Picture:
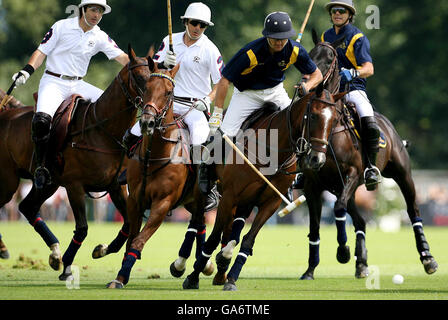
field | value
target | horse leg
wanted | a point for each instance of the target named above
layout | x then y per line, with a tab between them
224	257
314	202
360	248
226	210
340	213
407	187
159	210
29	207
75	195
135	212
119	200
265	212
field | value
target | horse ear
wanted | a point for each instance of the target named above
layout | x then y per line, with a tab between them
151	51
319	89
339	96
151	64
131	54
338	42
315	36
174	70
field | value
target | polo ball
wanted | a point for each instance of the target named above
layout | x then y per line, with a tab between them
397	279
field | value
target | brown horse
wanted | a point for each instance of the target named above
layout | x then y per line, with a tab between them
159	177
342	173
242	188
89	160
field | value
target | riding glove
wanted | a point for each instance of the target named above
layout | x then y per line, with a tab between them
170	60
202	104
215	120
348	74
301	89
22	76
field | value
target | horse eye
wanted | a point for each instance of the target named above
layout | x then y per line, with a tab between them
313	116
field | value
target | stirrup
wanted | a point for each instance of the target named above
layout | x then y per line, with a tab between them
42	177
372	177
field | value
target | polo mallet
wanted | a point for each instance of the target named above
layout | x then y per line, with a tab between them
302	29
8	96
170	27
289	205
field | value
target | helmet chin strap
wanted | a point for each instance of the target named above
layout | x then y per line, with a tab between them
190	36
85	20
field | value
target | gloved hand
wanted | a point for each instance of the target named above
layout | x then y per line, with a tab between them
215	120
302	89
170	60
348	74
202	104
20	77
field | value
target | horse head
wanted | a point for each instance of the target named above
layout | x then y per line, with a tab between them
320	118
325	56
157	98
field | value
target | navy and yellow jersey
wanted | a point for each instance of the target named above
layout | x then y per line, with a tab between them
255	68
354	52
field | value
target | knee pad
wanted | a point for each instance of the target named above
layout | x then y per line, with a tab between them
40	126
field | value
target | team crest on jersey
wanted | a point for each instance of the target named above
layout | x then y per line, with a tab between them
91	43
282	64
196	59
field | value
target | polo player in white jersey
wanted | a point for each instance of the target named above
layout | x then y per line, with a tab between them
200	64
68	46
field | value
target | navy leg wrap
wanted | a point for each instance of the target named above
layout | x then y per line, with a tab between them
41	228
420	239
128	263
119	241
187	245
340	216
237	266
75	244
200	239
314	259
237	227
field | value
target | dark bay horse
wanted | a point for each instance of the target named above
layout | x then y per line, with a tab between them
88	161
343	171
159	177
242	188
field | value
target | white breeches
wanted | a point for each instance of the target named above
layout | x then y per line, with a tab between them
362	103
244	103
195	120
53	91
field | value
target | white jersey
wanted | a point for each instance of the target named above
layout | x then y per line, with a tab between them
200	64
69	49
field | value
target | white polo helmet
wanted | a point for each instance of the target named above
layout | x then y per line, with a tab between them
198	11
102	3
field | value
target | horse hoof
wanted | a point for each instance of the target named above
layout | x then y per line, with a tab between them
4	254
307	276
361	271
66	276
99	251
115	284
209	268
55	261
343	254
176	273
219	279
229	286
190	283
430	265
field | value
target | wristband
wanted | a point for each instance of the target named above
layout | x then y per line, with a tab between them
28	68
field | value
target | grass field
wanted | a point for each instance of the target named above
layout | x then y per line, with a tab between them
280	257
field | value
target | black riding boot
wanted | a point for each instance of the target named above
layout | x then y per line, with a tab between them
208	187
40	128
298	183
370	139
129	142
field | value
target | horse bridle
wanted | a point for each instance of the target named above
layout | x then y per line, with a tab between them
132	83
159	115
333	62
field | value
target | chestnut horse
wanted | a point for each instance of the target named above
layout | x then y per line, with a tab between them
242	188
343	170
89	161
159	176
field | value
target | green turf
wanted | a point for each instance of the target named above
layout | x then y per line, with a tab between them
280	257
